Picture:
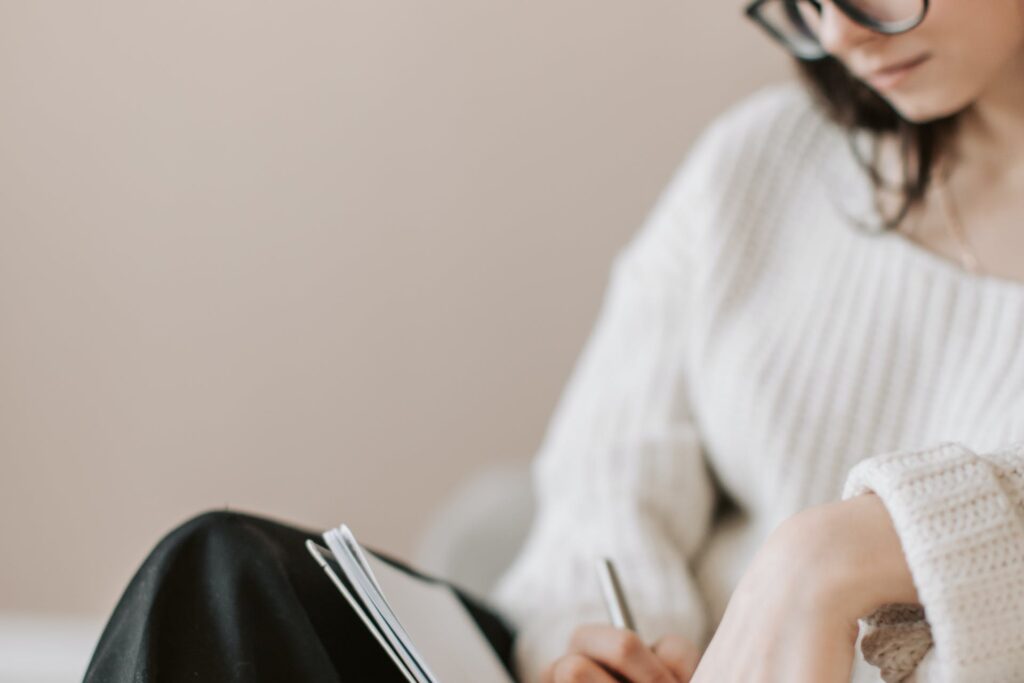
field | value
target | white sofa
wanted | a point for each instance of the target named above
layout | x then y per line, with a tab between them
478	532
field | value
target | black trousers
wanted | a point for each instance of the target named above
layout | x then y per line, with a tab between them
228	596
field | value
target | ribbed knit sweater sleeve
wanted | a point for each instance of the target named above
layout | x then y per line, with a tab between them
960	517
620	471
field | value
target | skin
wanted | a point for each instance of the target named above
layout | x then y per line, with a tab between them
602	653
793	615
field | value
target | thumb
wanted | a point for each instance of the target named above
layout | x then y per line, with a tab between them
678	654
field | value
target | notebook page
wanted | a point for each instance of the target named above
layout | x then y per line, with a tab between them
438	623
357	607
350	542
380	610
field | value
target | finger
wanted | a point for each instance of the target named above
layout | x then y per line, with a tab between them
620	651
577	668
679	655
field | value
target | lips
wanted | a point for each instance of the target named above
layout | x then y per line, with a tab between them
898	66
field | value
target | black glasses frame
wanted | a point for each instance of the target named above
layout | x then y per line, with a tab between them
754	12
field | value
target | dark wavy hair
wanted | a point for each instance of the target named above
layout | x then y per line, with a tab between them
850	103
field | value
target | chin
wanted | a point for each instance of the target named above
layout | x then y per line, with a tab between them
922	107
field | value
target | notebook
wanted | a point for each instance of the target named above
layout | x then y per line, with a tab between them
420	623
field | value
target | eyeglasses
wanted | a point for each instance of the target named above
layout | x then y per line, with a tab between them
797	23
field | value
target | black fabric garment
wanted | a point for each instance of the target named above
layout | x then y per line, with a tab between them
228	596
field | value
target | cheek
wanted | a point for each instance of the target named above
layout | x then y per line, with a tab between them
971	44
989	41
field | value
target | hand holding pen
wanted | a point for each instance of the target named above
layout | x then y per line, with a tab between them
610	653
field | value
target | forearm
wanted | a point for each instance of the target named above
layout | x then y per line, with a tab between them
859	561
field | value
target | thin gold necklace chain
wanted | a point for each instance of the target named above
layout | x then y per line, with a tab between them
954	225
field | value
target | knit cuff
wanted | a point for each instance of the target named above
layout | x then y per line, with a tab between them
959	522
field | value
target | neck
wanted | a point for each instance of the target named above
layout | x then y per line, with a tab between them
991	134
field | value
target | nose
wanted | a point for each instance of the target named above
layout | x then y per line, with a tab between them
838	33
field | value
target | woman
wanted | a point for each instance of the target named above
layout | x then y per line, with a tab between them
761	354
802	403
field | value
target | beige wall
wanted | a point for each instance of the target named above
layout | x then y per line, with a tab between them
313	259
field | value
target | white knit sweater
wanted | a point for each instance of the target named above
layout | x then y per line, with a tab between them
753	346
